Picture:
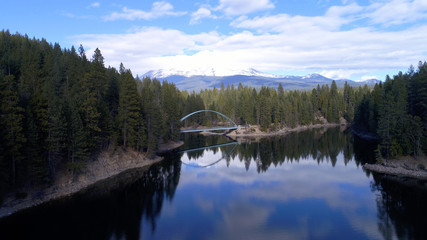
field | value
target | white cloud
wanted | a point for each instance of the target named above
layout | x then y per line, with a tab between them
159	9
397	12
387	13
202	12
339	54
94	5
241	7
335	17
282	42
289	186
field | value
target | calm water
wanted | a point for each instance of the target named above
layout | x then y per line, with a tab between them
307	185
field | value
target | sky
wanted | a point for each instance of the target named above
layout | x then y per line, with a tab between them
336	38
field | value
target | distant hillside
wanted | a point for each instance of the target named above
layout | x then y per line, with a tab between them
185	80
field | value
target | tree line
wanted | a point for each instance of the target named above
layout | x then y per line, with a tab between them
58	108
395	112
274	109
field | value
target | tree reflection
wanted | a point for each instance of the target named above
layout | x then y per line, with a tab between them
401	207
107	214
318	144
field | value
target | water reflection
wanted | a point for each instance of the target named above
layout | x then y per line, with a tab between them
402	207
307	185
102	212
318	144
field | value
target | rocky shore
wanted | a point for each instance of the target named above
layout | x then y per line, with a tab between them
405	167
254	130
106	166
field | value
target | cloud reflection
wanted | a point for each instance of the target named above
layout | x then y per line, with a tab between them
344	189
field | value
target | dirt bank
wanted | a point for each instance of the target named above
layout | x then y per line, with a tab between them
165	147
254	130
403	167
65	184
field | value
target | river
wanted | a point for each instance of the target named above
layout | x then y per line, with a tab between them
306	185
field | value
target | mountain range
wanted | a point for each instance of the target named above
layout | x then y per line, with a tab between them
197	79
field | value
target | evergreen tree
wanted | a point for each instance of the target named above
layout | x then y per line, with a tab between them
12	122
129	110
37	120
89	111
171	111
57	135
77	140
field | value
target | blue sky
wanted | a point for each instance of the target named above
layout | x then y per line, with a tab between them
336	38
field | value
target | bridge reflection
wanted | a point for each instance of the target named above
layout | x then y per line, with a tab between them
198	165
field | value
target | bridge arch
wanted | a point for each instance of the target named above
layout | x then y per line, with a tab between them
209	129
234	124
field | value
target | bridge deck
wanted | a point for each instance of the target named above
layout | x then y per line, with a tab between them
208	129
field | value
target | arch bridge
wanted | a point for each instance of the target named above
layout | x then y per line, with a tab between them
209	129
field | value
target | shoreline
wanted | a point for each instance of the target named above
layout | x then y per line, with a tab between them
254	130
405	167
106	166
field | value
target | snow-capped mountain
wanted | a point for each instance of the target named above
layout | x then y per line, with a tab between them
197	79
209	72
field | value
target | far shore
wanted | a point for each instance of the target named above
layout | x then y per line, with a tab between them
254	131
106	166
404	167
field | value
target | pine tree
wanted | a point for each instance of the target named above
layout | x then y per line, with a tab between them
38	169
37	121
150	92
56	140
129	110
77	140
98	74
89	111
12	122
333	113
264	108
170	111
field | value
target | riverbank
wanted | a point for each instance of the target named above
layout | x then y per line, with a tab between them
169	146
405	167
255	131
107	165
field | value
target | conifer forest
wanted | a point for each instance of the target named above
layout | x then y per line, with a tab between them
62	107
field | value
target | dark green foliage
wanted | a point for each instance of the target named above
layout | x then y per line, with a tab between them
171	111
77	140
396	112
263	108
151	99
58	110
12	125
274	109
89	111
129	111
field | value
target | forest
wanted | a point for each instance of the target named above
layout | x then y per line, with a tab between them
60	108
395	112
